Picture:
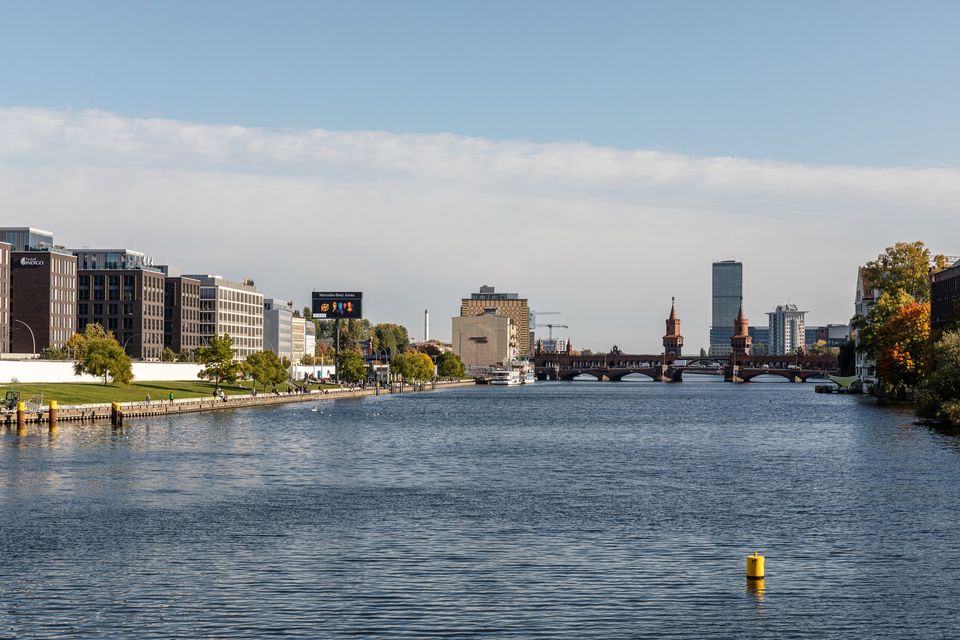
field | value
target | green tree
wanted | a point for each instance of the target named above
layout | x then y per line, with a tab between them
905	267
392	337
353	332
168	355
351	367
901	353
98	353
266	368
413	365
449	365
820	348
185	355
53	353
871	328
938	397
308	360
217	360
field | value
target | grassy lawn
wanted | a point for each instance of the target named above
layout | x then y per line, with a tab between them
88	393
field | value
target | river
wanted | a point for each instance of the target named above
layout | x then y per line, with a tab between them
572	510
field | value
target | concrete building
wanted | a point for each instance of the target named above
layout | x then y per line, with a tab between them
486	340
43	299
277	327
834	335
552	345
127	302
181	313
727	294
511	305
945	298
232	308
298	339
4	297
26	239
866	296
787	331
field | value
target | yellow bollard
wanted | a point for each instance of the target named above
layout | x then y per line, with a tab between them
21	418
52	415
755	566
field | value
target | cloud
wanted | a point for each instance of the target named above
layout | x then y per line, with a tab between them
419	220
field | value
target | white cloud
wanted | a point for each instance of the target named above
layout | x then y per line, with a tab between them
606	235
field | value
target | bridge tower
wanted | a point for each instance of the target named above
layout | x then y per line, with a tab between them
741	340
673	341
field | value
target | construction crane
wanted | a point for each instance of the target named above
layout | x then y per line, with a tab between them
551	326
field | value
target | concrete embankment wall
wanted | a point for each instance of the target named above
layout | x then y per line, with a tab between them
27	371
92	412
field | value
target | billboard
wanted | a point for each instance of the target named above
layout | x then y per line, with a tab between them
337	304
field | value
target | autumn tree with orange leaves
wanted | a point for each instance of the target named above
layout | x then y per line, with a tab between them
901	349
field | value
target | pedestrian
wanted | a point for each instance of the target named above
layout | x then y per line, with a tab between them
148	398
170	396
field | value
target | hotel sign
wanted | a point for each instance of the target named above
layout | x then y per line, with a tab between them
30	261
334	305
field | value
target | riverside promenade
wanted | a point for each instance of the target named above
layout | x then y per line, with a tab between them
142	409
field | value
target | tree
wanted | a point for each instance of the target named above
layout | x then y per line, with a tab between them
265	368
185	355
939	395
217	360
905	267
308	360
350	367
413	365
98	353
168	355
449	365
870	329
431	350
901	349
820	348
391	337
53	353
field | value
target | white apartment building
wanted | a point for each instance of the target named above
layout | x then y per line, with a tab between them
298	339
786	329
232	308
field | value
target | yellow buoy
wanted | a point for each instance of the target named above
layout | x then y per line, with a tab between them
755	566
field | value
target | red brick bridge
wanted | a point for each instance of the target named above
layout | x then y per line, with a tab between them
671	368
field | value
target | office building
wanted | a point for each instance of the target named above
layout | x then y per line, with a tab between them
278	327
298	339
181	313
945	299
787	331
834	335
113	259
26	239
486	340
232	308
760	340
4	297
487	301
727	294
129	303
43	299
552	345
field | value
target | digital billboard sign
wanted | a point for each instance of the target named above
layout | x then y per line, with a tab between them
331	305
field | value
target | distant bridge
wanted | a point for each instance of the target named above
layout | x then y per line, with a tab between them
615	366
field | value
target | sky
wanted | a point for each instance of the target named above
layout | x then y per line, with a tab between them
593	157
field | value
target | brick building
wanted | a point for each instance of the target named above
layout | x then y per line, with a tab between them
126	302
43	299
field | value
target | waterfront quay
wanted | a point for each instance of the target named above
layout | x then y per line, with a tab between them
119	411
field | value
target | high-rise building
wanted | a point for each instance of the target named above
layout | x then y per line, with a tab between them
727	294
43	299
232	308
787	331
511	305
945	298
4	297
181	313
277	327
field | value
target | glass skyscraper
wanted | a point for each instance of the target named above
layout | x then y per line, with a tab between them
727	295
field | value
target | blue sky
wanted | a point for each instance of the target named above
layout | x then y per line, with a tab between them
594	157
819	82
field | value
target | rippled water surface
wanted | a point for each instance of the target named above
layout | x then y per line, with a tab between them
558	509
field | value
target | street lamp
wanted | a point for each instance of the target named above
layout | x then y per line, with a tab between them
32	336
125	342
